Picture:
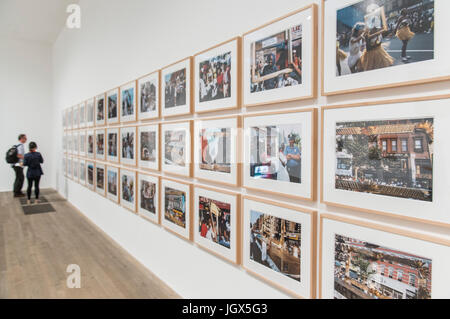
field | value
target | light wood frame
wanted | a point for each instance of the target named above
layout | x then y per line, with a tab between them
314	55
238	84
107	166
367	224
103	95
96	156
118	121
134	210
158	199
189	141
364	89
90	125
93	175
313	239
190	88
118	145
121	116
134	165
105	179
365	210
314	147
158	93
158	146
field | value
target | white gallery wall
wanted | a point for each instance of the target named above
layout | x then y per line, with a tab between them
122	40
26	102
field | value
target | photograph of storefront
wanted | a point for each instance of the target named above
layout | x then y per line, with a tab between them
215	221
215	149
368	271
391	158
175	206
275	243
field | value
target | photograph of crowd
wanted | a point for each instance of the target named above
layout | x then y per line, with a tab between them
112	106
175	206
127	102
90	173
148	196
275	152
390	157
214	221
215	78
100	178
112	182
276	60
128	145
100	109
100	143
375	34
148	146
368	271
215	152
175	144
148	96
175	89
275	243
128	188
112	144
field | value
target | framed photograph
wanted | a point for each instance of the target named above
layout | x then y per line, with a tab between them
217	77
148	141
82	143
364	260
112	188
69	142
70	167
176	148
148	100
75	165
216	150
76	142
100	107
128	102
64	142
82	108
90	113
370	45
128	189
90	139
176	88
90	175
380	158
148	197
70	118
112	100
76	118
280	152
100	144
82	172
112	145
176	207
128	146
280	61
217	222
64	119
279	245
100	179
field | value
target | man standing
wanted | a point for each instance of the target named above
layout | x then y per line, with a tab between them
18	167
292	154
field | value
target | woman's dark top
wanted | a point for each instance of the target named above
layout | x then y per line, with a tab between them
33	160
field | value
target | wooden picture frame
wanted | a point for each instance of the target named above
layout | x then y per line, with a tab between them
116	173
82	114
144	161
145	213
98	190
90	135
149	79
132	132
128	91
98	150
229	97
90	164
82	172
292	90
113	106
297	215
131	206
100	110
90	113
177	170
110	133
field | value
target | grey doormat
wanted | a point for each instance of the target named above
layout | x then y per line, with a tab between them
38	209
23	200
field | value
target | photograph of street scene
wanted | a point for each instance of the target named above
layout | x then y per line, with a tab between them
100	178
112	144
100	143
368	271
148	96
276	60
90	173
375	34
148	146
100	109
112	182
215	78
112	106
127	102
175	143
215	152
275	152
128	188
175	206
214	221
175	89
275	243
148	193
391	158
128	145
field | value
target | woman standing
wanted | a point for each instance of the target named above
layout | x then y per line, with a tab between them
403	32
356	45
33	160
375	56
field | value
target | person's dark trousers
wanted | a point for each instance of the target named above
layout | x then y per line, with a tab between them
18	182
36	181
404	47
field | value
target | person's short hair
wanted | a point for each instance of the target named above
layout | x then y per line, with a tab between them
32	146
21	136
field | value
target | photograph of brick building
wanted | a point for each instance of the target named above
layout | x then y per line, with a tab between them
391	158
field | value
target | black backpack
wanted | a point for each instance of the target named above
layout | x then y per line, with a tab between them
11	155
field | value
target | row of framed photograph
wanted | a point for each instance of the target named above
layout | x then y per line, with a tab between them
276	241
376	157
366	45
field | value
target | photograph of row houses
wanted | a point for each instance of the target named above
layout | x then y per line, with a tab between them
368	271
390	157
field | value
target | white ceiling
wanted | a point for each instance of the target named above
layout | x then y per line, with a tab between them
35	20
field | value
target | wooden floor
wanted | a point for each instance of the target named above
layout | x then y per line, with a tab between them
35	251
